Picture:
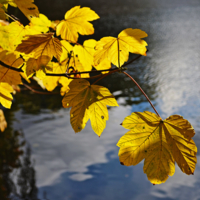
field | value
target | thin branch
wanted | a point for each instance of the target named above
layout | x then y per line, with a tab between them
10	67
39	92
142	92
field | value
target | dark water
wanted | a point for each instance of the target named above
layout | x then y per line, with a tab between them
60	165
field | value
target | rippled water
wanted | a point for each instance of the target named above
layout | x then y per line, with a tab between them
83	166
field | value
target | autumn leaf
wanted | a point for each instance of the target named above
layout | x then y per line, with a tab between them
41	45
5	94
7	75
116	50
3	123
160	142
76	21
12	35
34	65
85	53
28	8
2	12
88	102
41	23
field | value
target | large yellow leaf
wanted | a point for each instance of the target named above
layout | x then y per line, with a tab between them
7	75
12	35
116	50
41	45
88	102
76	21
5	94
3	123
160	143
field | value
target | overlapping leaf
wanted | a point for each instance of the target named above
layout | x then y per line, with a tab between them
88	102
12	35
7	75
116	50
41	23
76	21
41	45
28	8
160	143
5	95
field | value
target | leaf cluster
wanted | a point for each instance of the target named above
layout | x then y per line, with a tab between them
48	52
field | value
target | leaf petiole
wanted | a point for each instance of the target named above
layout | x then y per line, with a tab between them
142	92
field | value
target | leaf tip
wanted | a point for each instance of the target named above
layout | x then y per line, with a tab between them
121	124
121	163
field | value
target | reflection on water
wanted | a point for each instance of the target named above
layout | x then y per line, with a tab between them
83	166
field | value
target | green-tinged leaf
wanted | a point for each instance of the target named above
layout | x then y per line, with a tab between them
160	143
88	101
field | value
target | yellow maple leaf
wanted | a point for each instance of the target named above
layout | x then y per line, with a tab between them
5	94
12	35
3	123
116	50
8	75
41	45
88	102
41	23
160	142
85	53
76	21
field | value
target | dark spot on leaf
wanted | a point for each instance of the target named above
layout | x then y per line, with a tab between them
33	8
121	163
76	55
79	128
102	117
143	127
145	151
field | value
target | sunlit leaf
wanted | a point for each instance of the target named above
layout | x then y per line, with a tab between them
116	50
160	143
5	95
12	35
3	123
41	45
85	53
88	102
76	21
41	23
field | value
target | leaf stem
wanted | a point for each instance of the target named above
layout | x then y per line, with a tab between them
142	92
